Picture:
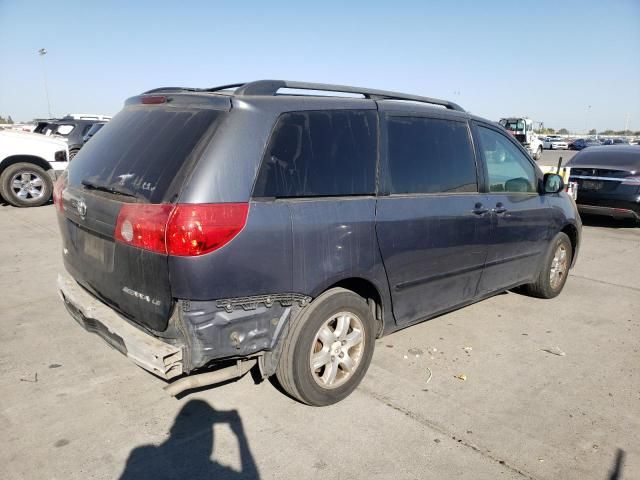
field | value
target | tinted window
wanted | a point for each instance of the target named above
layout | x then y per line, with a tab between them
509	169
320	154
142	150
429	155
94	128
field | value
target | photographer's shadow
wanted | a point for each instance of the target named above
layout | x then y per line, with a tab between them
187	452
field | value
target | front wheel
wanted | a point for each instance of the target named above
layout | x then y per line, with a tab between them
555	269
328	348
25	185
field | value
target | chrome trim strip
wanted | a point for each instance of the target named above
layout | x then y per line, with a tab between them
587	177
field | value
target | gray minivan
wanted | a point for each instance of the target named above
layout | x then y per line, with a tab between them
270	224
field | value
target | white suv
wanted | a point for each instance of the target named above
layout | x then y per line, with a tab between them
29	164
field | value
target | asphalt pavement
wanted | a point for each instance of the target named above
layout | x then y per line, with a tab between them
551	157
511	388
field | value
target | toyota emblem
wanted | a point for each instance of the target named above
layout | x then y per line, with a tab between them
82	208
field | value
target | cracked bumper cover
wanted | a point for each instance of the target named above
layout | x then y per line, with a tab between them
158	357
199	332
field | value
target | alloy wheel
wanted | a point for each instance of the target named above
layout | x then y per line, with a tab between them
27	185
337	350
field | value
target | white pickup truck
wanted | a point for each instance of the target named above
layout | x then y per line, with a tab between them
29	164
522	129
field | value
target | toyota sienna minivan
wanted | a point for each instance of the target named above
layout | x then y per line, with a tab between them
288	225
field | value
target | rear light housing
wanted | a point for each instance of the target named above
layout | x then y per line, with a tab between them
58	188
180	230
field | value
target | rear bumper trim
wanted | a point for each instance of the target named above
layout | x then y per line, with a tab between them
608	211
150	353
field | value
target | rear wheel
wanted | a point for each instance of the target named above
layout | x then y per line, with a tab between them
25	185
73	152
538	154
555	269
328	348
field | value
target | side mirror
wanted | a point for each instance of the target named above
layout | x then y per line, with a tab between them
552	183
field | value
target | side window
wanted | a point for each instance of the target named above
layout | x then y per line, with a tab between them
328	153
509	169
427	155
64	129
86	128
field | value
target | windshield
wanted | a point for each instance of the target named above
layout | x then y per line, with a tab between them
513	125
142	150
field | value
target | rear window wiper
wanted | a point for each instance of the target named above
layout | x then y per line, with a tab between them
105	188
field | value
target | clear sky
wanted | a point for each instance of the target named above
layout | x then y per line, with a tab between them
549	60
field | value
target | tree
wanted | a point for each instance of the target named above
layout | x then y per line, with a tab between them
563	131
10	120
593	131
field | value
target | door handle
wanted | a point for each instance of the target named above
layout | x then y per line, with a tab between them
479	209
499	208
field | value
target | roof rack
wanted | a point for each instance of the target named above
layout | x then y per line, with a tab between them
271	87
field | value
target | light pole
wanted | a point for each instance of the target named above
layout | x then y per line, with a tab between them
587	120
42	52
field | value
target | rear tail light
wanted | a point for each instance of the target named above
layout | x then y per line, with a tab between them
633	180
199	229
180	230
143	225
58	187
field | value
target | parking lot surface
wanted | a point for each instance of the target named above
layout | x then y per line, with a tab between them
551	157
551	388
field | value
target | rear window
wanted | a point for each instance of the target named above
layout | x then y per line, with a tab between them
328	153
142	150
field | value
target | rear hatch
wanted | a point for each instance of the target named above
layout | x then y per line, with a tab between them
142	156
602	182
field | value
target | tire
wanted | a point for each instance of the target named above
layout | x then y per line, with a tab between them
554	271
538	154
73	152
312	335
25	185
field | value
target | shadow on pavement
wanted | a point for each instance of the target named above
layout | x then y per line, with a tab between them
607	222
616	473
187	452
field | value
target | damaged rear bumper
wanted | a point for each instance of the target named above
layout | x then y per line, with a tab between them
199	334
160	358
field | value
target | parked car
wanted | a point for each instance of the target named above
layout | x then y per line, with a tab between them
271	228
29	164
73	130
95	128
616	141
554	143
608	180
581	143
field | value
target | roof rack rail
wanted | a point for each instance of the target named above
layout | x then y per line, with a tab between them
271	87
